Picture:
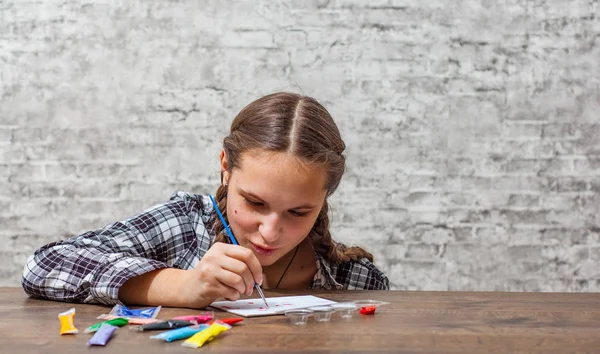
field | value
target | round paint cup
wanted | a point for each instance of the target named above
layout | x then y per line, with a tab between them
322	313
298	317
345	309
368	307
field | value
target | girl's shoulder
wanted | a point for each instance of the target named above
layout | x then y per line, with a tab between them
359	274
199	203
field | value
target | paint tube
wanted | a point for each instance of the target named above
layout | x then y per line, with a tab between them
132	320
102	335
125	312
229	321
117	322
66	319
202	317
180	333
201	338
162	325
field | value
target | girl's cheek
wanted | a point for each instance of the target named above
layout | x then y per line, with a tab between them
243	218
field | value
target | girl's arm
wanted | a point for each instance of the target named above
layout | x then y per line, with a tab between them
225	271
92	267
158	287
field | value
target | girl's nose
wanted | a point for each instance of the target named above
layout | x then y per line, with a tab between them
270	228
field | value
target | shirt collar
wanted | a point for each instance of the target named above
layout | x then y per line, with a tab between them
324	278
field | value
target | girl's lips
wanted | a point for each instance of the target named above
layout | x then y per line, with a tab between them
263	251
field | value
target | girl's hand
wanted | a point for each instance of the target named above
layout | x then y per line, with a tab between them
226	271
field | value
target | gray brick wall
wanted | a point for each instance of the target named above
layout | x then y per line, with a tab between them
471	125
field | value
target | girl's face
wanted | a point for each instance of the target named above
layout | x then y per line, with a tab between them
273	201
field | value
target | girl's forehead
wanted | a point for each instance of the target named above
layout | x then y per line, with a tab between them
259	157
280	172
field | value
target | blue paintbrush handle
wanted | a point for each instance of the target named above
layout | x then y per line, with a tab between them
234	241
227	229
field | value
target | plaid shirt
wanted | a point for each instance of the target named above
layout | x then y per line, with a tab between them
91	267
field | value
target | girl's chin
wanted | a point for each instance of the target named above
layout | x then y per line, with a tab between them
266	261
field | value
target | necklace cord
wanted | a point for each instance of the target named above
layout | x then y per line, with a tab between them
288	267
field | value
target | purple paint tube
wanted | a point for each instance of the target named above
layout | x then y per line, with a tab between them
102	336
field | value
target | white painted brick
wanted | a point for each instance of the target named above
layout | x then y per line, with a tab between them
6	136
260	39
471	128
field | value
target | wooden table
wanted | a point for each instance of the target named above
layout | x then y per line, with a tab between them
414	322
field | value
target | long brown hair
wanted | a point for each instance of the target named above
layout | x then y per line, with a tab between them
301	126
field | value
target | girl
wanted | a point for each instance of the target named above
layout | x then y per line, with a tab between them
279	163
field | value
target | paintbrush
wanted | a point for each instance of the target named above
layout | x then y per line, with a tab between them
234	241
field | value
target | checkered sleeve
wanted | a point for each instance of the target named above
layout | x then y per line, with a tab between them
91	267
361	275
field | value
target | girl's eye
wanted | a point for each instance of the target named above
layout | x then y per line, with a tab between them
298	214
259	204
252	203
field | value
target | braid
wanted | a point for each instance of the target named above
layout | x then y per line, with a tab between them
217	225
327	248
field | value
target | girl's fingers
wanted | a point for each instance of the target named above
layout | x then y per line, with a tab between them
231	280
228	293
238	267
246	256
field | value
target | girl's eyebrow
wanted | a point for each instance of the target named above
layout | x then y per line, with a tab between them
255	197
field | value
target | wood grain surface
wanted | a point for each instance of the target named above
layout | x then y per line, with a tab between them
413	322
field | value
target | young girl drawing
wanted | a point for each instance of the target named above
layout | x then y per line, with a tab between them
280	162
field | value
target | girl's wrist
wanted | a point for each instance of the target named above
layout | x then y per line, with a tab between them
172	288
183	293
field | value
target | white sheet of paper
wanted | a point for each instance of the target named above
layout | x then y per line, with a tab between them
277	305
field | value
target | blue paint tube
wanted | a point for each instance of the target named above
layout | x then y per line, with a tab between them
180	333
125	312
102	335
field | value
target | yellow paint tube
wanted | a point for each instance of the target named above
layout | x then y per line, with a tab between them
66	322
201	338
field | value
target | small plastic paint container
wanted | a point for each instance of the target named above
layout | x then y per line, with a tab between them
368	307
298	317
345	309
322	313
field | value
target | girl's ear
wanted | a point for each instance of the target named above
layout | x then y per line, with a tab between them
224	167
